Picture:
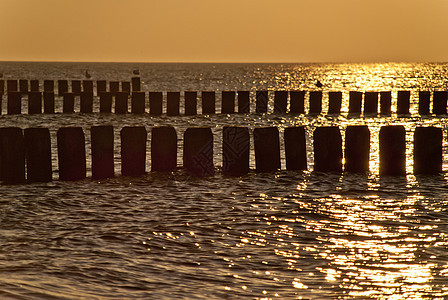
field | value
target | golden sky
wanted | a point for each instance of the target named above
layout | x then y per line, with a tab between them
224	31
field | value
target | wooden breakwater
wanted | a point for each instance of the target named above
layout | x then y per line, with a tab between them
128	97
25	155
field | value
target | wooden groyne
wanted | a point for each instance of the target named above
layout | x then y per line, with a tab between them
128	97
25	155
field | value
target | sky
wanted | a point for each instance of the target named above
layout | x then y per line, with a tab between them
224	31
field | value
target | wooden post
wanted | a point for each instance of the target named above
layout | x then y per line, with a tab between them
12	155
208	103
315	103
172	103
427	150
155	103
392	150
126	86
101	86
2	87
71	153
121	102
190	103
403	102
38	154
297	102
86	104
62	87
14	104
334	102
102	141
34	103
439	102
114	87
138	103
76	87
327	149
267	149
133	151
235	150
424	99
136	85
11	85
261	103
295	148
357	149
34	84
228	102
371	103
48	85
68	105
198	151
49	102
87	86
243	102
280	102
163	149
385	103
354	102
23	86
105	102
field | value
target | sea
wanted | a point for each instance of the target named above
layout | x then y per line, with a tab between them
282	235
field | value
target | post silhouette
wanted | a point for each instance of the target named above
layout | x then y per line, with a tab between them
297	102
439	102
49	102
357	149
23	86
208	103
385	103
34	103
198	151
114	87
121	102
133	151
155	103
48	85
163	149
12	155
62	87
71	153
267	149
126	86
136	85
76	87
34	85
101	86
261	102
86	103
68	103
371	103
11	85
403	102
228	102
14	104
392	150
2	87
38	154
327	149
235	150
138	103
87	86
315	107
280	102
105	102
172	103
295	148
354	102
424	100
102	142
191	103
243	102
334	102
427	150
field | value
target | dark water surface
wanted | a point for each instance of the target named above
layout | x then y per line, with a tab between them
288	235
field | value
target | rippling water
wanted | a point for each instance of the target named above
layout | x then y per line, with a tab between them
285	235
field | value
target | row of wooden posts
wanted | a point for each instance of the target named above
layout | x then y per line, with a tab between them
139	103
369	103
29	151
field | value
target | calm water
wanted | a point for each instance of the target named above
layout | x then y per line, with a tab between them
288	235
